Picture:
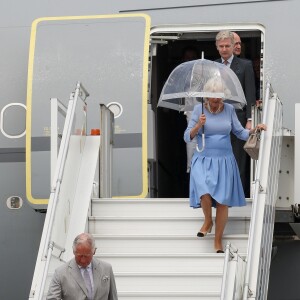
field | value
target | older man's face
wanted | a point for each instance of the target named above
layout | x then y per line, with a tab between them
83	254
237	45
225	48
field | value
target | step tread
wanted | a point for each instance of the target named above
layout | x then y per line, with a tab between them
169	293
165	255
167	218
166	236
143	200
168	274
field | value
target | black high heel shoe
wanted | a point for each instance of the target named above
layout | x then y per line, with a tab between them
219	251
204	233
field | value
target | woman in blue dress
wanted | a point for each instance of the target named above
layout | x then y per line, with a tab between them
215	179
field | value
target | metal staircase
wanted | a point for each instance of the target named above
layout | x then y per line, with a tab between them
153	247
151	243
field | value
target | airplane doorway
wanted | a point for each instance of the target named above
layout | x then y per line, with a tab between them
171	177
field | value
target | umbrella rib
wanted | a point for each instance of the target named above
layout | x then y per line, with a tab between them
192	76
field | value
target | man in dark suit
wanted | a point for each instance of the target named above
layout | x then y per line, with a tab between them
244	70
237	50
83	277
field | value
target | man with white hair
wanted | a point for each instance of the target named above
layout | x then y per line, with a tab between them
83	277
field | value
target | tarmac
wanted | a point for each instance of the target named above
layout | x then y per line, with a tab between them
284	280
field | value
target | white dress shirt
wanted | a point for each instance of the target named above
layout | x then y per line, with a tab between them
229	60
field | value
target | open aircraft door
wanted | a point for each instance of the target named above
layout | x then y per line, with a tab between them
109	55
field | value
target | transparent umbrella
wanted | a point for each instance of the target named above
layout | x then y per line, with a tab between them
186	85
194	80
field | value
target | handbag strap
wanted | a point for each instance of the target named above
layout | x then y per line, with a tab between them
257	132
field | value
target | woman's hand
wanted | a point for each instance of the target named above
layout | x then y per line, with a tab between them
202	120
200	123
258	127
261	127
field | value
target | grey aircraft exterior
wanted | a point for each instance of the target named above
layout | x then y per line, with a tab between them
109	61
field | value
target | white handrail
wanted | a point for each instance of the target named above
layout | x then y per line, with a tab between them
225	268
56	106
255	196
46	247
260	239
232	280
57	182
61	163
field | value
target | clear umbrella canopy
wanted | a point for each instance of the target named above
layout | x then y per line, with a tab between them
202	78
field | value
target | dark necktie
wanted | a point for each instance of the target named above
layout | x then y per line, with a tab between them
225	62
88	283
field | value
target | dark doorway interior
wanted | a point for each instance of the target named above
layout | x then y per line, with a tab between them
172	180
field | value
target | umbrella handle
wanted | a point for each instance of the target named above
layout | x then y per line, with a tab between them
203	144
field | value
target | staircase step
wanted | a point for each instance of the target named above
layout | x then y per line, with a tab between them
160	225
166	263
165	243
156	207
170	295
175	281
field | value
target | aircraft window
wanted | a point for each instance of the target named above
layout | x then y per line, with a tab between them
12	123
14	202
116	108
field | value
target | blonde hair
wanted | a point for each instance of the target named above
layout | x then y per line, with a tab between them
225	34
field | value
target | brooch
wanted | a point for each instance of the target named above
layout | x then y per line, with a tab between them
105	278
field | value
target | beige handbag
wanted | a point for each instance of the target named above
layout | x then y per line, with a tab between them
252	144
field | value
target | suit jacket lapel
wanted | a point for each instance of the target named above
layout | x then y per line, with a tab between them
76	274
97	272
234	66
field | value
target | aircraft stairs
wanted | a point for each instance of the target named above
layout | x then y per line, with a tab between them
154	250
152	243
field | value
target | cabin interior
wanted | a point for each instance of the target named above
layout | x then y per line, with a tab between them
169	175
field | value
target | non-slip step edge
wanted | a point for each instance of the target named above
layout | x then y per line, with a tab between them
167	236
166	274
168	294
162	255
149	200
163	219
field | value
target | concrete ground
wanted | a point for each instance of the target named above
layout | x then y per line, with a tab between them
284	281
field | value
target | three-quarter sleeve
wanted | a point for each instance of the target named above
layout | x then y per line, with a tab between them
193	121
237	129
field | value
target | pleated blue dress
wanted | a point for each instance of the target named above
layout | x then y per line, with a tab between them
214	171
